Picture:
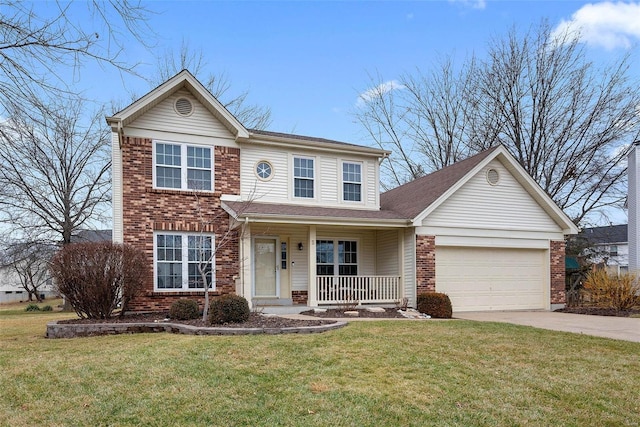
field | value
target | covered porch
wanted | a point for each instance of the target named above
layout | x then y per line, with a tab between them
321	262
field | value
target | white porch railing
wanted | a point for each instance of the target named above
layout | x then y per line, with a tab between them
357	289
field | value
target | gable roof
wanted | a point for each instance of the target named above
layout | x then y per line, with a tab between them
183	80
606	234
416	199
412	198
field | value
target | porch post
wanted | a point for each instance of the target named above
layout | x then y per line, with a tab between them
311	245
246	262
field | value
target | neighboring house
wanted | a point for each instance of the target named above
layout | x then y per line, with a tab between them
25	264
633	205
606	246
312	227
12	291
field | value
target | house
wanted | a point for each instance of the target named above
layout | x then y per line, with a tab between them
606	246
304	222
13	275
633	205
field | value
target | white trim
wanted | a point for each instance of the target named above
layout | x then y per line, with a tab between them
336	264
271	174
491	242
184	262
341	182
277	266
506	233
184	184
292	181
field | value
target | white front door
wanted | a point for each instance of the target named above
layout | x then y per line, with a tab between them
266	271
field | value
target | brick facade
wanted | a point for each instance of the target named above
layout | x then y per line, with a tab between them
146	210
300	297
557	267
425	264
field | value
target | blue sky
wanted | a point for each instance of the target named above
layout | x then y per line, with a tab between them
309	61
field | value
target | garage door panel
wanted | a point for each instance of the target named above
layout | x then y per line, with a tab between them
492	278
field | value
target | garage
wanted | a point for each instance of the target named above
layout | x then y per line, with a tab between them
479	279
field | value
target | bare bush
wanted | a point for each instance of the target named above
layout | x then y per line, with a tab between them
96	278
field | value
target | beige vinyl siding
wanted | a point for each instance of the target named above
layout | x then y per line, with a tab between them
371	179
328	178
276	189
164	118
409	265
116	188
279	188
387	257
480	205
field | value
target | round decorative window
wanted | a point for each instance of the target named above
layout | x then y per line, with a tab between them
183	106
493	177
264	170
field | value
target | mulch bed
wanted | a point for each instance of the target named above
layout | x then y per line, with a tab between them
597	311
255	321
389	313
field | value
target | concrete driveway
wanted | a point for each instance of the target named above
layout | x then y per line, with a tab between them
619	328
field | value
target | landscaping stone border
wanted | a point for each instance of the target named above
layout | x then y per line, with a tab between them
70	330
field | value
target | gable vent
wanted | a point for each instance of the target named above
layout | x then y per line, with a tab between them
493	177
183	106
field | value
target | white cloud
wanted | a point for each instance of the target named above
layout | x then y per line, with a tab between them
607	24
378	91
472	4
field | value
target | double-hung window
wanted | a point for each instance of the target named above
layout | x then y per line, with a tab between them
336	256
303	177
183	261
183	167
351	182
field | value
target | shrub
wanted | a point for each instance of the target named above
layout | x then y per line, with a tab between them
32	307
95	278
435	304
47	308
610	291
184	309
229	309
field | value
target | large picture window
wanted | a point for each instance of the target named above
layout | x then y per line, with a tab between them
183	167
336	256
303	177
181	261
352	182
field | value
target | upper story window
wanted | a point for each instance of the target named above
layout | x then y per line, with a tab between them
351	182
303	177
183	167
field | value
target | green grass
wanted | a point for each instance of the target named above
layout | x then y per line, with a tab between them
368	374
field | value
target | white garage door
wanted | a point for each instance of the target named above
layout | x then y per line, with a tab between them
478	279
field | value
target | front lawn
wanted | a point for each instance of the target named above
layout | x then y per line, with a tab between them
383	373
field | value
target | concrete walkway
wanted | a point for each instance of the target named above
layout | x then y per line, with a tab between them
619	328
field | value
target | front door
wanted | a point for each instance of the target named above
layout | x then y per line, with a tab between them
266	267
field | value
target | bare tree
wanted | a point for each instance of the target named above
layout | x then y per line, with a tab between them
567	122
54	168
252	116
564	120
29	264
42	43
204	247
